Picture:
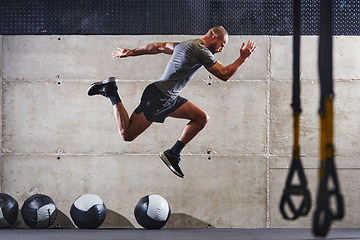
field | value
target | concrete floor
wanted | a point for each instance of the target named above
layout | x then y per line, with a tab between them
174	234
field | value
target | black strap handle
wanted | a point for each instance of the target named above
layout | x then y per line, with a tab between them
297	190
324	214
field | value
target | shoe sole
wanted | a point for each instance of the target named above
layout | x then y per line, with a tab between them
108	80
167	163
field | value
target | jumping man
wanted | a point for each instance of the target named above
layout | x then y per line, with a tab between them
161	99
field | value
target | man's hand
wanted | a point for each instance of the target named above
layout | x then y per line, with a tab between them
224	73
248	50
121	53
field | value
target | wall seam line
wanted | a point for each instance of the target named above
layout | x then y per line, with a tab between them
2	112
268	109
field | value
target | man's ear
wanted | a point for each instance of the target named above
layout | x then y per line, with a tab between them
214	37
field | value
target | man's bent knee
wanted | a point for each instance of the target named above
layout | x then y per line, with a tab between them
138	124
204	119
126	137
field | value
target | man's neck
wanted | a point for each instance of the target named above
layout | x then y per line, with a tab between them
206	40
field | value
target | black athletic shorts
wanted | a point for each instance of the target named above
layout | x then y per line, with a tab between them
156	106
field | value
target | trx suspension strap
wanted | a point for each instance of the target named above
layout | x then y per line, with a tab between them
296	166
325	211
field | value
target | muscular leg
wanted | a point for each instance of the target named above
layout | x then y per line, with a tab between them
129	129
198	119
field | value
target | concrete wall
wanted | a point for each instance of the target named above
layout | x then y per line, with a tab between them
58	141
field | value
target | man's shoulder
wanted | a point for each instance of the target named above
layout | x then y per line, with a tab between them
195	44
197	49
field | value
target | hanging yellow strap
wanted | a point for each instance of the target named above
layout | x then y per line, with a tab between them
296	135
326	211
326	133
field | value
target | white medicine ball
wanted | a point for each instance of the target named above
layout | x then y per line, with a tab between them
39	211
152	212
8	210
88	211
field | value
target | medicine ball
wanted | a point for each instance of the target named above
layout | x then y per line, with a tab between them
39	211
8	210
152	212
88	211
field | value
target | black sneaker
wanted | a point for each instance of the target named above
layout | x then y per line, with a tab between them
106	87
172	161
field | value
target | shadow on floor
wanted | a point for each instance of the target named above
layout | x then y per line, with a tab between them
115	220
181	220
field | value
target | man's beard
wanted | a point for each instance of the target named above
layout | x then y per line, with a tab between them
212	48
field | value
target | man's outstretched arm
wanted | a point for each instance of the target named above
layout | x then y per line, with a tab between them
151	48
224	73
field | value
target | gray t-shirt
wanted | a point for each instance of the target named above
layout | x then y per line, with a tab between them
187	58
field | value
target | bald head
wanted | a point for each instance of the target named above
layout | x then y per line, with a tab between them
219	31
215	39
